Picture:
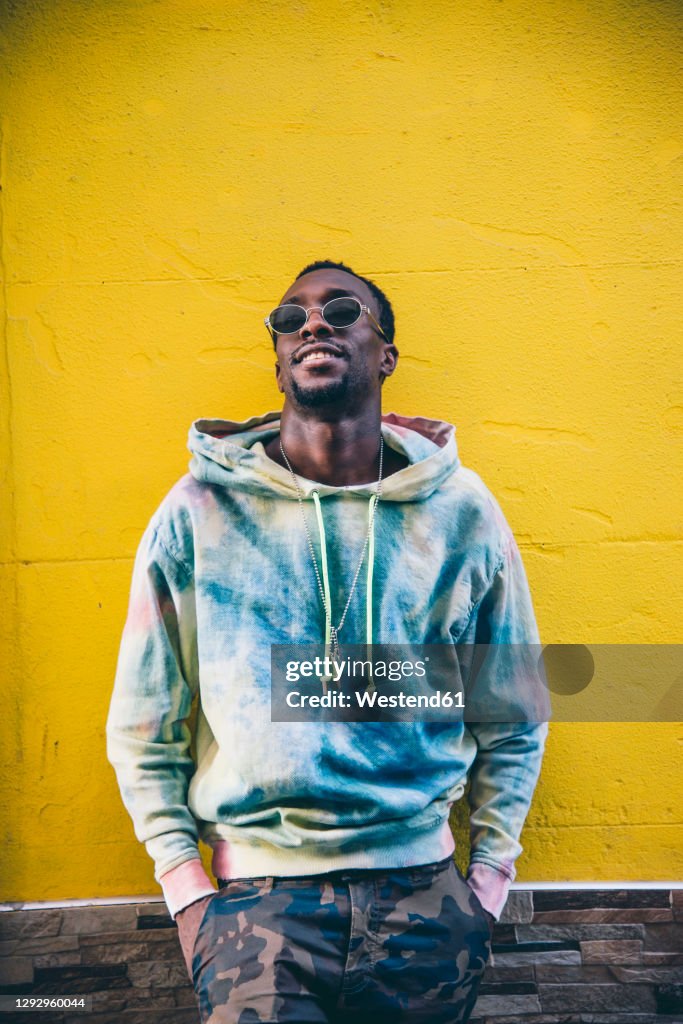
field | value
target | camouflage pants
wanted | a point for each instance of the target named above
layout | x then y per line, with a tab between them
367	947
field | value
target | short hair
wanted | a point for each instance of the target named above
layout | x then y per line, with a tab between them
386	313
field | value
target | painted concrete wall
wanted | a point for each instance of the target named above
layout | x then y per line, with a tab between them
509	172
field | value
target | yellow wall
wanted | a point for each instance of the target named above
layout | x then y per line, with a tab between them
509	172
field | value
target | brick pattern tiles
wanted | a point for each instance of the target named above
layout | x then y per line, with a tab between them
585	957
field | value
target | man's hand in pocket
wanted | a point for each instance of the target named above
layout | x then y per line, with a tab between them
188	921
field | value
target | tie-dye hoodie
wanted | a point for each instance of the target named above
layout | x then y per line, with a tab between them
222	572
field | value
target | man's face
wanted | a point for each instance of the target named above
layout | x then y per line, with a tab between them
321	365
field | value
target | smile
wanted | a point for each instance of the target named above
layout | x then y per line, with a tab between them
317	357
320	354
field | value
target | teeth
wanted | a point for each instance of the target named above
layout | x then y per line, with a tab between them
317	355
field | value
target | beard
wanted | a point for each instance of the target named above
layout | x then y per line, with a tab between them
331	393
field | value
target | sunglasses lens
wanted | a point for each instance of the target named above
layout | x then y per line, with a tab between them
287	319
342	312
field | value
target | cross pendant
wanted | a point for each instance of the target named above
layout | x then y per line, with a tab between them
332	652
334	643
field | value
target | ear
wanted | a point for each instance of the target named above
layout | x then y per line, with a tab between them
278	378
388	361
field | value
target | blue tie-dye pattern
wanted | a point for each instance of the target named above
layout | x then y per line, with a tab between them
222	572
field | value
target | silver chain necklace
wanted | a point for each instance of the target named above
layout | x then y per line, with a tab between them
335	630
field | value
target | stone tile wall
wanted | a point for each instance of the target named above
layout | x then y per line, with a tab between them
586	957
559	957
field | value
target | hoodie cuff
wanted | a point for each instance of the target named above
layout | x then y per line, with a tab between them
491	887
184	885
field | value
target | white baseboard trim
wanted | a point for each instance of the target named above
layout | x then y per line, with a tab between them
109	901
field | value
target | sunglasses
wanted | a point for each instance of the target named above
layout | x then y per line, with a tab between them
337	313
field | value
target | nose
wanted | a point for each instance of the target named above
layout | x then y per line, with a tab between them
315	326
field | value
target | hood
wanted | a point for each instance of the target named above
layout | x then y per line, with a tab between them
231	454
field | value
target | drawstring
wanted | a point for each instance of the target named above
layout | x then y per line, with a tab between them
371	565
331	631
326	578
368	591
325	572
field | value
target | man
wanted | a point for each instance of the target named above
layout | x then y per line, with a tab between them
324	524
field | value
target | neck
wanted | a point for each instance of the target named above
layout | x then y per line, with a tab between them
340	452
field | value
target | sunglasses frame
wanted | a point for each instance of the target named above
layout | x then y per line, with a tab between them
363	309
